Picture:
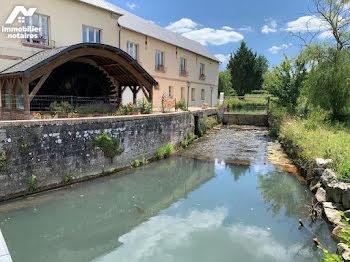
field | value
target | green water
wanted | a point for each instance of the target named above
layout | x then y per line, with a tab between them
180	209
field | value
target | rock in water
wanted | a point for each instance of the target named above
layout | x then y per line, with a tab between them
321	195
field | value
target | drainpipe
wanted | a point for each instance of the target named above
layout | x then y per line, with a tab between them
120	30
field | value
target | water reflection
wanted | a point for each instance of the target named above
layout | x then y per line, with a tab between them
279	192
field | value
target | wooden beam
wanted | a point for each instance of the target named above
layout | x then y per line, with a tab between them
39	85
25	88
144	90
12	89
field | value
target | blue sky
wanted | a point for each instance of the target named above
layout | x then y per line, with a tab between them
265	25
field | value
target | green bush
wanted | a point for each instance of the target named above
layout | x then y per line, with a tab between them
205	124
260	92
3	160
128	109
189	140
67	178
144	161
144	107
33	183
169	150
234	103
161	152
136	163
182	105
109	145
62	108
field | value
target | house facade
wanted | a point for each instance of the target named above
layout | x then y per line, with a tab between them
183	68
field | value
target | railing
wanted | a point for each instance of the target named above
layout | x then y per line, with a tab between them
202	77
160	68
42	103
40	43
183	73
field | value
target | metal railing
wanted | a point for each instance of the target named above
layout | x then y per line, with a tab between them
42	102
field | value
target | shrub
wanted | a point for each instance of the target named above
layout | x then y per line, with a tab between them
189	140
144	107
260	92
33	183
109	145
3	160
181	105
136	163
63	107
169	150
234	103
285	82
67	178
128	109
144	161
161	152
167	104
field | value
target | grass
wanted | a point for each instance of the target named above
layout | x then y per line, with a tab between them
248	112
313	139
233	103
165	151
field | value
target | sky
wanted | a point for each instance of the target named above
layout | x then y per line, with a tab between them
267	26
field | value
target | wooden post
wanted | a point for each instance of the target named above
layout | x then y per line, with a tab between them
25	88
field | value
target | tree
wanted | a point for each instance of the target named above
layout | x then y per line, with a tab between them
285	82
246	70
330	19
225	84
328	83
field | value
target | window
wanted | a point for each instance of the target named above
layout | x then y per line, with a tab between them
43	23
160	61
91	35
203	94
183	71
193	94
7	97
19	97
171	92
201	71
132	50
182	93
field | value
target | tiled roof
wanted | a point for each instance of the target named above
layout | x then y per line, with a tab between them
140	25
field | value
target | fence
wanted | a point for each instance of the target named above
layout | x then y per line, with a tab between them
42	103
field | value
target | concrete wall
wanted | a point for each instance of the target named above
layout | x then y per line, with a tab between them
55	148
245	119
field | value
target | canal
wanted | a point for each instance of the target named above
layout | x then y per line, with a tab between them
221	199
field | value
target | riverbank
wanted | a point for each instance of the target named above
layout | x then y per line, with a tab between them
41	155
321	151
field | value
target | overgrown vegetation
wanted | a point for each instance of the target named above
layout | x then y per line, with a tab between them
33	183
67	178
165	151
110	146
3	160
181	105
206	124
235	103
61	108
189	140
95	109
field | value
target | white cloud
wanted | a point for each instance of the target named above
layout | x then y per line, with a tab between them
309	23
182	26
132	6
228	28
271	27
190	29
173	238
223	59
326	35
276	49
246	29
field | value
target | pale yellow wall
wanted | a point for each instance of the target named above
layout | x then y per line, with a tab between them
66	18
171	77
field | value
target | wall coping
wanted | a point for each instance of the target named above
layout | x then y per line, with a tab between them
73	121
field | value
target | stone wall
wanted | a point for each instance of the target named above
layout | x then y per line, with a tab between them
245	119
52	149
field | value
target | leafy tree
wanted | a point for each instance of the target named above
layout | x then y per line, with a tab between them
328	83
286	81
225	84
246	70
